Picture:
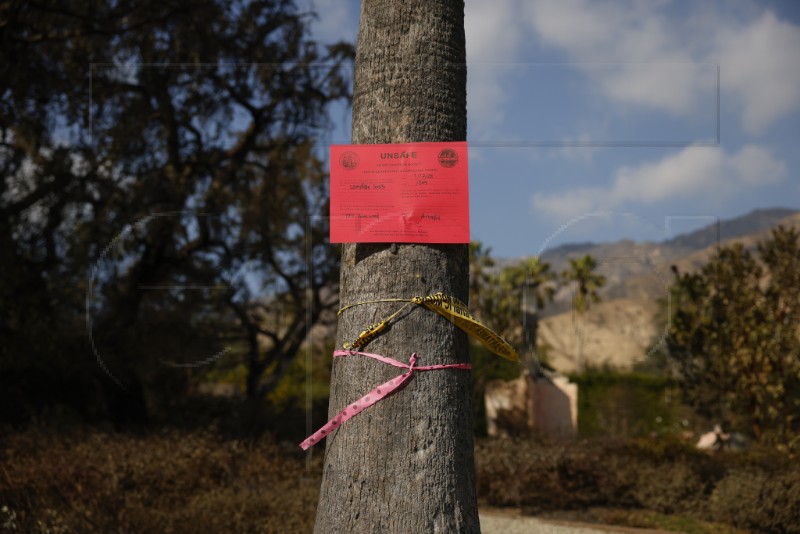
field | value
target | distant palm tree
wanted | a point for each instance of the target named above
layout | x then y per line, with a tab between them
538	290
581	271
497	298
538	275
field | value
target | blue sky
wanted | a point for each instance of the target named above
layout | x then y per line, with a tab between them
602	120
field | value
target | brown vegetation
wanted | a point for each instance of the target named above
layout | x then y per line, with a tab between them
757	490
171	481
179	481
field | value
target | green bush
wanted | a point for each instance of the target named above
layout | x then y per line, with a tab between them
611	403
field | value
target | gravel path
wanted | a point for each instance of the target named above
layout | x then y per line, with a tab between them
511	522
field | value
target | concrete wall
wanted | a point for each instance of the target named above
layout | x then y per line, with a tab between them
543	405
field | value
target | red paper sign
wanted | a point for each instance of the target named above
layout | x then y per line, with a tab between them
410	193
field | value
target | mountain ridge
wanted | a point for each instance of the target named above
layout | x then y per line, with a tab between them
618	330
703	237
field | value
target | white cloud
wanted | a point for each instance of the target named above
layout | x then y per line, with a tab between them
693	172
756	166
759	63
566	205
493	34
631	49
655	54
639	52
493	37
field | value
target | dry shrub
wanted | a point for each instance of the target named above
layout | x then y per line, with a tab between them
168	482
178	481
765	502
757	490
544	476
673	490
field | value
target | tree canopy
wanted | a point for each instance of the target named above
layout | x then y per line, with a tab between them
160	186
734	337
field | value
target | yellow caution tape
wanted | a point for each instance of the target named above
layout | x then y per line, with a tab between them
457	313
367	335
450	308
373	330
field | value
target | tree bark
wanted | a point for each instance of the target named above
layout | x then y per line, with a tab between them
405	464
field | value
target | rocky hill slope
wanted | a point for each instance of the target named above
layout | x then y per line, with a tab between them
618	331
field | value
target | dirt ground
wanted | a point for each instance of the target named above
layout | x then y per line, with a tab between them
503	521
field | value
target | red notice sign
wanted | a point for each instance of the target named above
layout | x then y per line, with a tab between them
409	193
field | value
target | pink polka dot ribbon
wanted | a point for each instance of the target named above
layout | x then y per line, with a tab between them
380	392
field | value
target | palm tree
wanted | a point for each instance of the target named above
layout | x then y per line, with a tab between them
538	290
408	464
581	271
498	298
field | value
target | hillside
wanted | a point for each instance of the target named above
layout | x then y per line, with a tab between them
754	221
615	333
638	270
618	331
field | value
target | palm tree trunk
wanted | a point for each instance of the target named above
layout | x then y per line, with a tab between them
530	314
405	464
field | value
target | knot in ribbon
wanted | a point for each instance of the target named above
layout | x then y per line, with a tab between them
380	392
411	361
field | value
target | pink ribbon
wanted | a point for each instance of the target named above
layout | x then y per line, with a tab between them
380	392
